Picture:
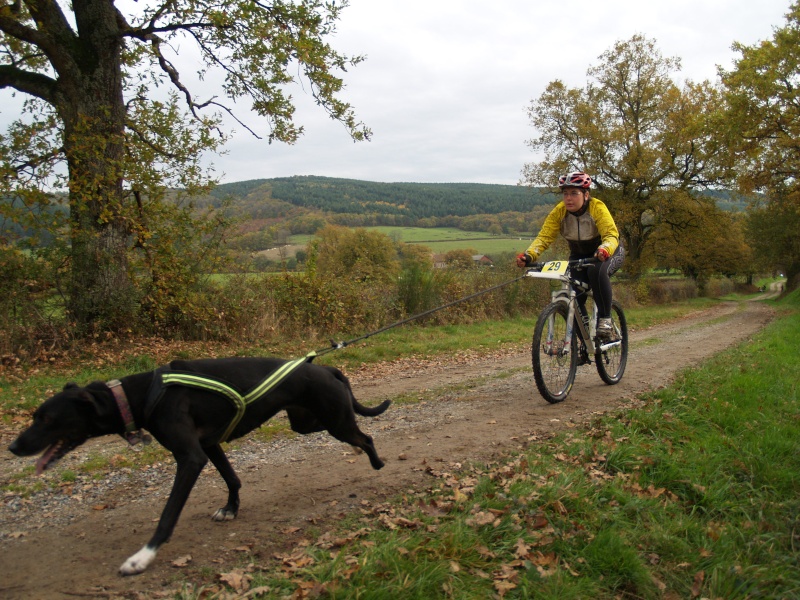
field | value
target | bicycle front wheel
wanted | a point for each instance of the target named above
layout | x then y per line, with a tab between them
554	357
611	361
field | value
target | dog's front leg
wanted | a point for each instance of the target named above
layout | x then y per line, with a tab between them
220	461
189	467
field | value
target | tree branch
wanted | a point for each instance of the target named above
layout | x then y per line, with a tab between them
146	140
147	33
35	84
12	26
174	77
53	33
34	162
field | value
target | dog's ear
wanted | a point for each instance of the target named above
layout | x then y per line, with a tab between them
70	386
87	400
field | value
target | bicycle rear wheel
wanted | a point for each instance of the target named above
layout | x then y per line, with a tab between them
554	357
611	361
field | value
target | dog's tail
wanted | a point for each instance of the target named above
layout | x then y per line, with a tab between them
370	411
364	411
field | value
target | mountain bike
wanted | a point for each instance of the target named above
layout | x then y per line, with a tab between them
564	337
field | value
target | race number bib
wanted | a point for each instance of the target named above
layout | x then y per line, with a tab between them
555	266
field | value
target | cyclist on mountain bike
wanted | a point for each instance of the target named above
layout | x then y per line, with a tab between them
590	231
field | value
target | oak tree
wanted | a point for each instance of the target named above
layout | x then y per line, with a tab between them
701	240
763	94
115	114
638	133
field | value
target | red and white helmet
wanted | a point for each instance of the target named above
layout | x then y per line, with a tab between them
577	179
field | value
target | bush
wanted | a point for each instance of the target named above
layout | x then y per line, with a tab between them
296	306
27	299
720	286
662	291
420	289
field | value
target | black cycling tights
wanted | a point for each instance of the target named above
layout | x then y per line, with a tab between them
599	278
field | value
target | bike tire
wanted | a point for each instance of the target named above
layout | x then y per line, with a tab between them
611	362
554	365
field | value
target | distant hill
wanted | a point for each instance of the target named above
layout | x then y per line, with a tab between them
730	201
268	210
411	200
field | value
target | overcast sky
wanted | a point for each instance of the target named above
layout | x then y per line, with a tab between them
446	83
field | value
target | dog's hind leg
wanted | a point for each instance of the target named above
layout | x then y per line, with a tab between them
351	434
190	462
369	447
220	461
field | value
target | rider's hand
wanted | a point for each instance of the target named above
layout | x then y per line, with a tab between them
601	254
523	260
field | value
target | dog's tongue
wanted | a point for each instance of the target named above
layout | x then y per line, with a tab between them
44	460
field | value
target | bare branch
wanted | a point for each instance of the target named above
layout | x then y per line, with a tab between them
148	142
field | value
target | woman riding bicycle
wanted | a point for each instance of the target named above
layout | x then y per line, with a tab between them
589	228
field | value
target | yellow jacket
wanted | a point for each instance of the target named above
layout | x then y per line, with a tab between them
586	231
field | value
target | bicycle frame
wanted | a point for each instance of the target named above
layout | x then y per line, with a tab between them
556	352
568	294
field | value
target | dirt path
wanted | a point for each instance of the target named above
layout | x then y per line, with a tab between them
69	543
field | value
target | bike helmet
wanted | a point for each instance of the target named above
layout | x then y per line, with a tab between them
577	179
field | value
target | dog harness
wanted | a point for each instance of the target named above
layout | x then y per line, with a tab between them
218	386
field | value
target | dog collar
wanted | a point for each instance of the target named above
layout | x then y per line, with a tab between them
133	435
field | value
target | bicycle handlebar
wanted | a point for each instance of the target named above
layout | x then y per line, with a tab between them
578	263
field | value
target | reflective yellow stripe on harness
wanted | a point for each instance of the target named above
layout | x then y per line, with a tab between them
239	402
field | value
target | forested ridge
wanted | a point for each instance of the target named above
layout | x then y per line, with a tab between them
415	200
412	200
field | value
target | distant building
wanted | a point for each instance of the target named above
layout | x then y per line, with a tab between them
482	260
439	261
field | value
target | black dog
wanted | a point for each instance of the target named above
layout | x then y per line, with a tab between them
191	421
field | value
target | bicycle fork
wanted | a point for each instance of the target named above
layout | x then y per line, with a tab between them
563	347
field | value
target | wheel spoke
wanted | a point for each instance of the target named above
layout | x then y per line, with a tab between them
612	358
554	357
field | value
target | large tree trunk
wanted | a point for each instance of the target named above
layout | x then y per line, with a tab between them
91	106
628	216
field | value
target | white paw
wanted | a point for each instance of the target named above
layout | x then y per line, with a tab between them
138	562
223	515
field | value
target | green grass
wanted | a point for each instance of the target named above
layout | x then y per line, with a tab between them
415	235
489	247
444	239
640	317
431	342
693	492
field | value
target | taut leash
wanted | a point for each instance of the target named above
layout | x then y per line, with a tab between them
337	345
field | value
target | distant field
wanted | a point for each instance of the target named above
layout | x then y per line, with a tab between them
444	239
416	235
489	247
